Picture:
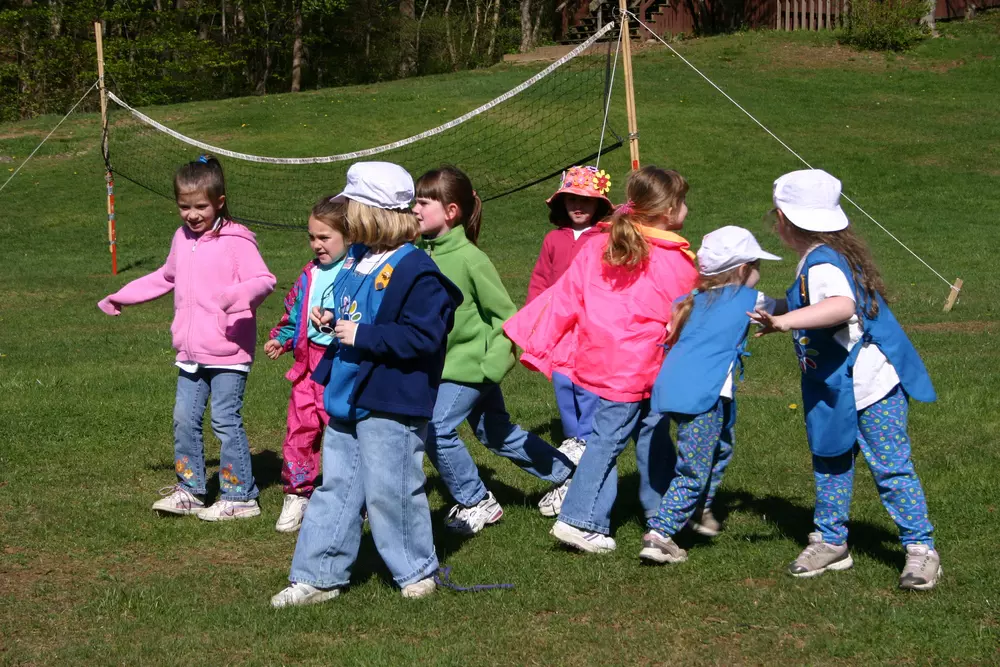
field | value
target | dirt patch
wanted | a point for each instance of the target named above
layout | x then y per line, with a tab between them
836	56
968	327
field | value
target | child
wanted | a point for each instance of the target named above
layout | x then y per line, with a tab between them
394	310
306	417
479	356
859	371
706	343
218	279
603	326
576	207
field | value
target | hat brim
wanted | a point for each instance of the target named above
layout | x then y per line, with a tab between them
344	197
579	192
815	219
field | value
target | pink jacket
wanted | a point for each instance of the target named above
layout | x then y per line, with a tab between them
558	250
602	326
218	281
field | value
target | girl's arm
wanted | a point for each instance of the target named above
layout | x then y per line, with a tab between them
284	331
255	281
146	288
541	275
830	312
420	329
495	307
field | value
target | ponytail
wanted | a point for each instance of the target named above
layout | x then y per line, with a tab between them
450	185
652	194
474	219
682	310
626	245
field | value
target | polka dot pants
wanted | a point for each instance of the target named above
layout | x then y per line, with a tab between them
885	445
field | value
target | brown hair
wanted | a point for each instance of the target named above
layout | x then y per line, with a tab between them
560	218
450	185
652	193
203	175
379	228
737	275
331	213
867	279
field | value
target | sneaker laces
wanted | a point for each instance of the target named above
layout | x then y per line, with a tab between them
443	578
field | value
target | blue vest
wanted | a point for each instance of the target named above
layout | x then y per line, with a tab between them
828	369
713	339
356	297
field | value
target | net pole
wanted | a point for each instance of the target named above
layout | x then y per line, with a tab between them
633	130
108	177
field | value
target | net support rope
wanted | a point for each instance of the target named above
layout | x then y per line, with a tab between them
607	102
68	114
789	149
344	157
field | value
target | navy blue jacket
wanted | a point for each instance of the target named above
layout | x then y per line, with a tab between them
403	350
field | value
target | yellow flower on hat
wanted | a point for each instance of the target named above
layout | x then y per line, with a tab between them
602	182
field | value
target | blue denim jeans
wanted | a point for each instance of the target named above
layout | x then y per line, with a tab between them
482	404
595	484
576	407
226	388
378	462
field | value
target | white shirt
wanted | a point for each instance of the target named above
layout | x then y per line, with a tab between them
577	233
765	303
373	260
874	376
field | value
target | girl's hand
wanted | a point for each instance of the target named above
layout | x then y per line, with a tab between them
769	323
109	307
345	331
273	349
319	316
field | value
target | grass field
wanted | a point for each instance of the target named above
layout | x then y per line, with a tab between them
89	575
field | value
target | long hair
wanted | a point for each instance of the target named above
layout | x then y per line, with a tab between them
682	309
867	279
652	193
450	185
203	175
332	214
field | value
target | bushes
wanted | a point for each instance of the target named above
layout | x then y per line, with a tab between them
884	25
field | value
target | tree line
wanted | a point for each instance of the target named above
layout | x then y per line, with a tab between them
163	51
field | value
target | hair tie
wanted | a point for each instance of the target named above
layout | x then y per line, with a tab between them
627	208
695	292
203	159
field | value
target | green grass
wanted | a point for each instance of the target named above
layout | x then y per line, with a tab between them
88	574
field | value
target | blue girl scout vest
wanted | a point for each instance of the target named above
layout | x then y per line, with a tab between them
713	338
828	369
356	297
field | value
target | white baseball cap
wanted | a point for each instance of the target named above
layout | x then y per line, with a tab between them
728	247
378	184
810	199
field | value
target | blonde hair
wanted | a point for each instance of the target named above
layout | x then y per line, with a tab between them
737	275
331	213
652	193
379	228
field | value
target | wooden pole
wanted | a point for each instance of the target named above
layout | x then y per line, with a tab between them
112	235
633	131
953	296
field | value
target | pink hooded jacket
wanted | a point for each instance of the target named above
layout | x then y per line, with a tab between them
604	326
218	281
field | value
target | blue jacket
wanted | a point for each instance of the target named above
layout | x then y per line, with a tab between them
403	350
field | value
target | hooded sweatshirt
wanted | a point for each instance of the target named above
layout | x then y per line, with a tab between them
218	279
604	326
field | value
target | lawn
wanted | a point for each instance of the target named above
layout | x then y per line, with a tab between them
89	575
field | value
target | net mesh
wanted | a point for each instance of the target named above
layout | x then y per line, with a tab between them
531	133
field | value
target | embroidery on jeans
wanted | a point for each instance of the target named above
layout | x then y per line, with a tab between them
229	481
183	469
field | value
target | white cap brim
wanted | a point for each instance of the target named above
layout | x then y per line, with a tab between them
739	261
814	219
361	199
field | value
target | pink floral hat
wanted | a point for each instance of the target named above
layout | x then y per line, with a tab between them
585	182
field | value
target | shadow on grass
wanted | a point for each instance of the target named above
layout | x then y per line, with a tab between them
266	471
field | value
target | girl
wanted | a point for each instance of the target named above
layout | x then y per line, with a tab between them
707	340
478	358
610	312
306	417
576	207
859	371
393	313
219	279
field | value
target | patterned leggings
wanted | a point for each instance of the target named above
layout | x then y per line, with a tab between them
883	441
704	449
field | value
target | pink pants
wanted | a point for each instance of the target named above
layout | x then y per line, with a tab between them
304	439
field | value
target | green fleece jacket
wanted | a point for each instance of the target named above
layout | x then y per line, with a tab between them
478	350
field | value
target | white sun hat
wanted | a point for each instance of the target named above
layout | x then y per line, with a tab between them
378	184
729	247
810	199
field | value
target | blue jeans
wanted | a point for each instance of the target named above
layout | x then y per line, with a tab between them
482	404
595	484
704	449
378	462
576	407
226	388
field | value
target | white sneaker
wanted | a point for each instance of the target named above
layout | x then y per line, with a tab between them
420	589
594	543
298	595
551	502
922	570
704	523
819	557
573	448
227	510
471	520
292	511
178	500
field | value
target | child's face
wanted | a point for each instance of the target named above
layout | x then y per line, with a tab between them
325	241
434	217
674	219
198	210
580	209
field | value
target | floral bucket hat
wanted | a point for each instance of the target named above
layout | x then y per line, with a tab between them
585	182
